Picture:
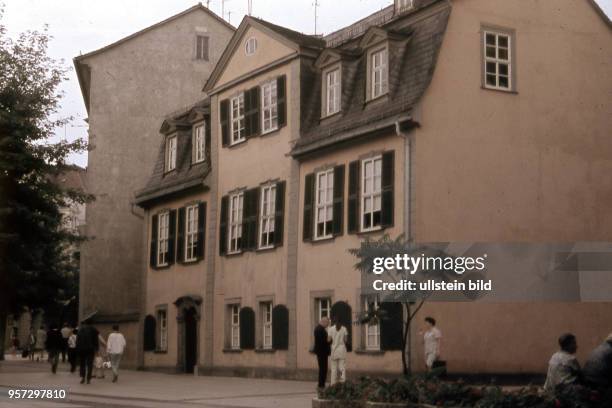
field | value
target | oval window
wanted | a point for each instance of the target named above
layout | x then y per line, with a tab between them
251	46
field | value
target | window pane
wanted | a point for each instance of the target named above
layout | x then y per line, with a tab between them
502	41
503	69
503	82
490	39
503	54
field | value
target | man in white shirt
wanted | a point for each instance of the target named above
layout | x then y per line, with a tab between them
114	347
563	367
338	336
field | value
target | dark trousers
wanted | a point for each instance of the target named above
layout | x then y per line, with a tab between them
53	359
64	349
322	360
72	359
86	359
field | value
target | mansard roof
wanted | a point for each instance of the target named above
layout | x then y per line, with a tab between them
186	177
414	39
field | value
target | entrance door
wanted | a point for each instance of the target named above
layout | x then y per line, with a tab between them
191	339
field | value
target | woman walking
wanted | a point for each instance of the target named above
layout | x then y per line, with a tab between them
338	336
431	339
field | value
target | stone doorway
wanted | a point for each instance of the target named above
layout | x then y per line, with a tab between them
188	319
191	339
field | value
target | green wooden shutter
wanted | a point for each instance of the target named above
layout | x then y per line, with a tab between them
388	172
280	327
250	212
281	98
279	216
353	197
223	225
180	236
247	328
225	122
207	146
338	209
172	237
391	326
153	253
149	334
201	230
309	195
252	116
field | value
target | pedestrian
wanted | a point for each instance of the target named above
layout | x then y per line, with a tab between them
66	332
54	345
100	358
598	367
431	340
72	353
41	340
322	350
86	346
114	348
14	340
338	336
563	367
31	345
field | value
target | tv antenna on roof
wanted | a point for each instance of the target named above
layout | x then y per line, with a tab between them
250	7
316	7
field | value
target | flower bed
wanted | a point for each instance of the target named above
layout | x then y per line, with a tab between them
428	392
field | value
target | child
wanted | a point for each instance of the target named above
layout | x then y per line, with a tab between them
99	359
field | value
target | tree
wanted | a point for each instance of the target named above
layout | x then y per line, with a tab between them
411	301
34	266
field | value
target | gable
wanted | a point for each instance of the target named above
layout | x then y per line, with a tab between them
269	50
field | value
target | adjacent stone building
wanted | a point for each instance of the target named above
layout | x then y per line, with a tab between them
464	120
128	88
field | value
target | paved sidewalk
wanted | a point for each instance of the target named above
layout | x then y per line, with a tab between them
146	389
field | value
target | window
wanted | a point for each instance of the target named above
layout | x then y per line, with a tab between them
235	225
323	308
199	144
324	204
170	153
269	104
497	60
332	92
237	120
372	330
191	233
402	5
202	47
235	327
163	230
266	219
162	319
371	182
251	46
266	324
379	73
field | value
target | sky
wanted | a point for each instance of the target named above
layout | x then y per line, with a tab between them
81	26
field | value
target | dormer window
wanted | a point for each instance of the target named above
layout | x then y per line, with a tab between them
378	72
198	144
170	153
331	90
403	5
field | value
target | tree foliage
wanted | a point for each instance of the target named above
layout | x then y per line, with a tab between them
34	266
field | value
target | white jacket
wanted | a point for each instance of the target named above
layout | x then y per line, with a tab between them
338	345
115	343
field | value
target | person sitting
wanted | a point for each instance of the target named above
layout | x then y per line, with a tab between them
563	367
598	367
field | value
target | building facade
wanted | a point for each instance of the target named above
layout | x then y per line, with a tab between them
440	120
128	88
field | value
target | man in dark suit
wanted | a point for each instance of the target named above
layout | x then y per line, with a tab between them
86	347
322	349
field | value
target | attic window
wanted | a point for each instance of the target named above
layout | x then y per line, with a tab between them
202	47
251	46
170	153
378	73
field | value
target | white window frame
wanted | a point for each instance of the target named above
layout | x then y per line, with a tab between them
267	216
237	119
163	238
372	331
381	87
373	193
236	204
198	145
234	326
333	91
162	319
250	46
171	143
324	202
323	305
266	325
269	106
497	60
191	233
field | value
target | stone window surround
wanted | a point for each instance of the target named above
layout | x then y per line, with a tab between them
511	33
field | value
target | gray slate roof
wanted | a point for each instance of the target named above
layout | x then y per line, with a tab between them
411	67
186	177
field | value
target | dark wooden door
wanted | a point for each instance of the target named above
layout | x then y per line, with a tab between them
191	340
